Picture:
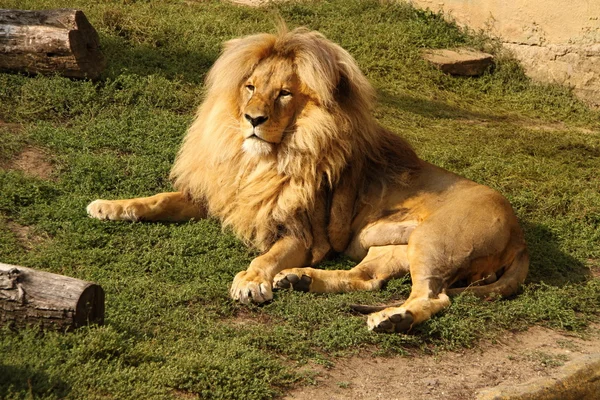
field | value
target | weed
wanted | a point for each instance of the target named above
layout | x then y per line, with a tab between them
548	360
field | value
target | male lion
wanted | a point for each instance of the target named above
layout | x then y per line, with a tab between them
285	152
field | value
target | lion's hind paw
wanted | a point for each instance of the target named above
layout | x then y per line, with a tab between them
391	320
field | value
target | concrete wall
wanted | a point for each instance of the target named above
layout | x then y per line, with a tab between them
556	40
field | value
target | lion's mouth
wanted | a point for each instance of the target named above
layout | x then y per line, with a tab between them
258	146
255	136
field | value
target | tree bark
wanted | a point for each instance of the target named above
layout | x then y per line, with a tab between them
32	297
50	41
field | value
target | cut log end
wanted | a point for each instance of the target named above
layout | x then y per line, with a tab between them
51	301
50	42
90	307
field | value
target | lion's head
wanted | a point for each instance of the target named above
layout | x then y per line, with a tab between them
283	117
277	82
269	100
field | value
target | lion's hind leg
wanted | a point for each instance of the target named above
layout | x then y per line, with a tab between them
422	303
381	264
173	207
439	254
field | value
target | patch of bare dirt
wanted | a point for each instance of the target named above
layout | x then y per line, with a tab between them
251	3
244	317
594	265
25	235
255	3
533	125
11	127
554	127
514	358
32	161
180	394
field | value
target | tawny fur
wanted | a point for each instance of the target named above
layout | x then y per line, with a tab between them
285	152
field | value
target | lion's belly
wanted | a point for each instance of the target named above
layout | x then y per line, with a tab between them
390	218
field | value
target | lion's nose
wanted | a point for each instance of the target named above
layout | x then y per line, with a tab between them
256	121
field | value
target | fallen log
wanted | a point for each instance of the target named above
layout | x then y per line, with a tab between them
58	302
50	41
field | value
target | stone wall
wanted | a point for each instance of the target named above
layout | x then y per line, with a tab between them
556	40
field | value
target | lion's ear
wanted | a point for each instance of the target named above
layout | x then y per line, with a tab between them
352	84
343	88
330	71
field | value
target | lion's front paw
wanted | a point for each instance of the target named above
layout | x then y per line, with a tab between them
112	210
251	286
294	279
391	320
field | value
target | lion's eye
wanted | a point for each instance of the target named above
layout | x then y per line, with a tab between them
250	88
284	93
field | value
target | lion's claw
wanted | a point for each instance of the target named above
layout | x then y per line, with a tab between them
292	281
395	320
248	287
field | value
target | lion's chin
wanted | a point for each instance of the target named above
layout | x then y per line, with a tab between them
257	147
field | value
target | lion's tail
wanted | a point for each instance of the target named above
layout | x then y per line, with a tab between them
514	275
510	281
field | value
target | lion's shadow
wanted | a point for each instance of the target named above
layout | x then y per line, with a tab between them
550	264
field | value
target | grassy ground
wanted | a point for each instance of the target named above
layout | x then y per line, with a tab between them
171	330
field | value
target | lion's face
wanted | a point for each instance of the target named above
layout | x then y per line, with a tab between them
270	98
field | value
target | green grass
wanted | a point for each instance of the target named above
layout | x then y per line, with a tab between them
171	331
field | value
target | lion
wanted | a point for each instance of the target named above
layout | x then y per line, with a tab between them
285	151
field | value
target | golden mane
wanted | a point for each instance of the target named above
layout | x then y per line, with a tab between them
264	198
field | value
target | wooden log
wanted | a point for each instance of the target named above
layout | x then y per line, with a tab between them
32	297
50	41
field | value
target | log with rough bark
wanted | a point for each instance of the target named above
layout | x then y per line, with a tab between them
32	297
50	41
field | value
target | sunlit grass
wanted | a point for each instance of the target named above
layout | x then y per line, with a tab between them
171	330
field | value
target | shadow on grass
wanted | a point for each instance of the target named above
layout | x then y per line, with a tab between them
549	264
144	59
27	380
433	109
